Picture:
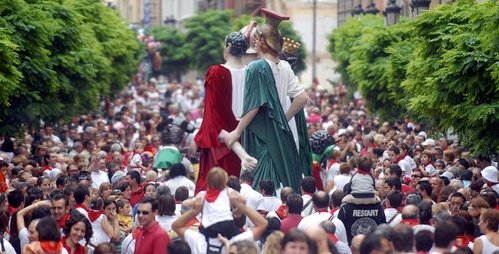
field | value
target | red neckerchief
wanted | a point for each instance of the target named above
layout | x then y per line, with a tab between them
63	220
398	159
94	215
84	207
212	195
463	240
321	210
12	210
332	237
77	250
334	210
136	232
281	212
410	222
51	246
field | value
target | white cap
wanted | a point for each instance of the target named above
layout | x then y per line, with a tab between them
428	142
490	174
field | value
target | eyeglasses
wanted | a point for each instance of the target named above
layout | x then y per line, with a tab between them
439	165
143	212
416	176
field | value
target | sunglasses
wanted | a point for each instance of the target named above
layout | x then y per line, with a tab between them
143	212
416	176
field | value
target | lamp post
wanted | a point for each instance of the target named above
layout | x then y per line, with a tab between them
371	9
418	6
392	13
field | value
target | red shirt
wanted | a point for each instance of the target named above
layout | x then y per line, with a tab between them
152	240
290	222
79	249
136	196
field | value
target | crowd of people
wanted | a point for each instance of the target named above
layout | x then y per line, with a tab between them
133	178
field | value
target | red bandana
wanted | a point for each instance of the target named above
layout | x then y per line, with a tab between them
212	195
63	220
94	215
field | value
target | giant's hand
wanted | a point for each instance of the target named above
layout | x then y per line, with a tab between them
248	163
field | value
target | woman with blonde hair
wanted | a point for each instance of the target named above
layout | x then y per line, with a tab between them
273	243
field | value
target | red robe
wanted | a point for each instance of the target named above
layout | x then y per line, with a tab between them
218	116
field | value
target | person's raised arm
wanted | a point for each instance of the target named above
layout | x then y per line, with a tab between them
257	219
234	135
27	210
298	103
179	226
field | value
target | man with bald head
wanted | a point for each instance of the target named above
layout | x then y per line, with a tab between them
410	216
356	242
319	236
320	201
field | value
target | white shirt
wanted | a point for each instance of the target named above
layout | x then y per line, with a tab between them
98	178
197	241
128	245
393	213
316	218
217	211
99	235
271	204
309	209
237	76
23	238
340	181
254	199
406	168
166	221
178	181
82	211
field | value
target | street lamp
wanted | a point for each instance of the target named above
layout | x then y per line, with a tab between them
418	6
357	10
392	13
371	9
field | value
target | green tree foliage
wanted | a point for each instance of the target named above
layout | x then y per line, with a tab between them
286	29
116	40
341	42
60	69
174	54
453	80
378	63
205	37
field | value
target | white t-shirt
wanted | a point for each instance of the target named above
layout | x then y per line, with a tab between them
308	207
23	237
271	204
166	221
178	181
128	245
99	235
8	247
217	211
340	181
393	213
253	198
98	178
197	241
316	218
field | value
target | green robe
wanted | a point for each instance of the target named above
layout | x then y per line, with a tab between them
268	137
